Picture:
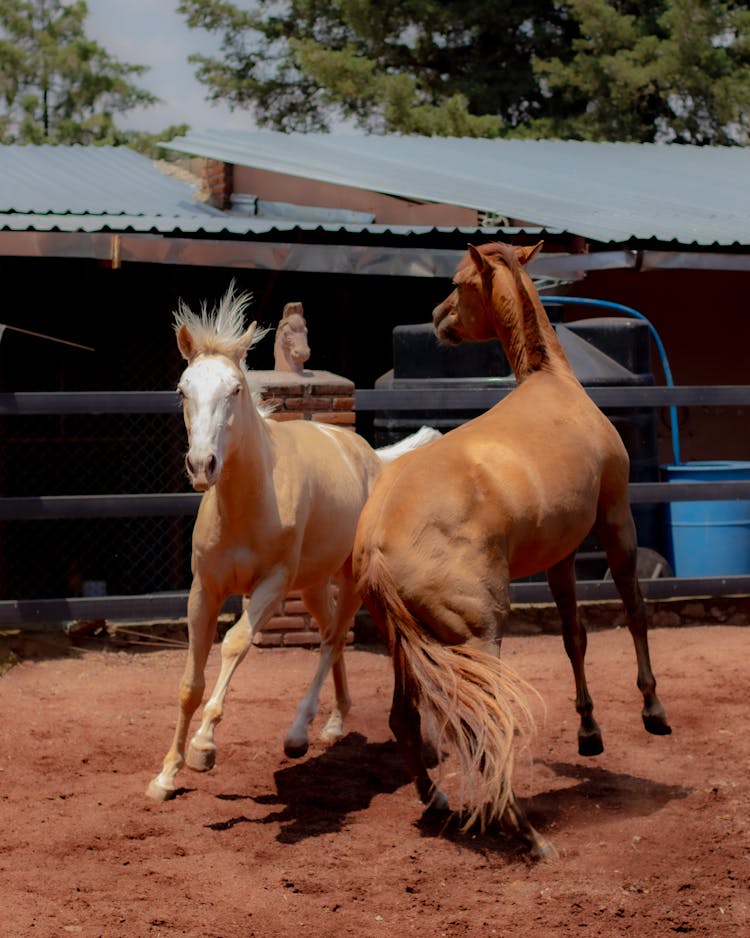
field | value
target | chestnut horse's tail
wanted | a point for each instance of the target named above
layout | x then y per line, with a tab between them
477	705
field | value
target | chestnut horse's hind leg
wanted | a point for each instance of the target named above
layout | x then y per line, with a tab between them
333	618
515	823
406	726
562	584
618	538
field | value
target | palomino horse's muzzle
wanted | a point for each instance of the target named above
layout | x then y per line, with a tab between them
202	471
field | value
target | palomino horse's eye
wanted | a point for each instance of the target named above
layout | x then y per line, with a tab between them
236	390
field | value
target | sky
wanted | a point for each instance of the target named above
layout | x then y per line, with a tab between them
152	33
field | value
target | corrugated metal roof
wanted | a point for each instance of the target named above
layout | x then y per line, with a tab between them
89	180
606	192
89	189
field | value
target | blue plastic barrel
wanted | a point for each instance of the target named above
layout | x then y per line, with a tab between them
709	538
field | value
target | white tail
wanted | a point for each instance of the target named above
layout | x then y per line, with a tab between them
421	437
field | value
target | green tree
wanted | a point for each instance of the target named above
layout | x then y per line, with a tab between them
58	86
637	70
413	66
675	70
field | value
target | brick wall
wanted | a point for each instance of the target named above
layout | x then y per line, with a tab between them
327	398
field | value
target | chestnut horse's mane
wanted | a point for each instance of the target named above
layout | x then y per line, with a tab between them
535	335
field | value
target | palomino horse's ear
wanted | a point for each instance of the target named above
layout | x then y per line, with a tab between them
479	260
244	343
525	254
185	343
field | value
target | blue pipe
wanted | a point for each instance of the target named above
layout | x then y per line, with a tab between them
629	311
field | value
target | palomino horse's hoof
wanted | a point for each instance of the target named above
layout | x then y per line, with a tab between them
158	792
200	760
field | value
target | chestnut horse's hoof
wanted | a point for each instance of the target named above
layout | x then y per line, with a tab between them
200	760
295	750
656	723
590	744
542	849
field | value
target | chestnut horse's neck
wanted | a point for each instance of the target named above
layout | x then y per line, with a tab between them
524	329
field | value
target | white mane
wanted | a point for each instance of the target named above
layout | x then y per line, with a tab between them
220	332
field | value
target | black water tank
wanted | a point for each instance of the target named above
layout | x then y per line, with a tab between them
610	351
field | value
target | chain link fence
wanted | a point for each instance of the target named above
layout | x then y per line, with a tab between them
90	454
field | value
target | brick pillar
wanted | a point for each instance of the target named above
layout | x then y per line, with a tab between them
325	398
217	182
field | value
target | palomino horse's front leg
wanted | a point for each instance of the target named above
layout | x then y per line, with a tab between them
258	608
202	615
562	584
334	618
619	540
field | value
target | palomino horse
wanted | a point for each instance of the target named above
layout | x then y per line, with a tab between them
279	512
508	494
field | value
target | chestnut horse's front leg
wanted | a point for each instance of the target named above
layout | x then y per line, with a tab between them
203	611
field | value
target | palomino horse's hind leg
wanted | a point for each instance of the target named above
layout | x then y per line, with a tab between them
618	537
333	618
257	609
562	584
202	628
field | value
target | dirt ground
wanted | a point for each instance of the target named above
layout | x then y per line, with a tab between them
652	835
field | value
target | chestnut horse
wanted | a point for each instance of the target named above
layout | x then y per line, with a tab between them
279	512
511	493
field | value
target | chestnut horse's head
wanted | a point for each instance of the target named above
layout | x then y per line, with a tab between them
291	351
468	314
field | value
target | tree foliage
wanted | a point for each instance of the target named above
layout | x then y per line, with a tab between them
636	70
57	85
415	66
645	71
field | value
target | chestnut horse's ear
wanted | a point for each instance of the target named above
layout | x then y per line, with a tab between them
185	343
525	254
479	260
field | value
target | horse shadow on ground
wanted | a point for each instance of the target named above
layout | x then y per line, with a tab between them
609	794
317	796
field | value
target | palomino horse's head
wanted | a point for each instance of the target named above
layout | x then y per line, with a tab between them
214	387
290	350
467	314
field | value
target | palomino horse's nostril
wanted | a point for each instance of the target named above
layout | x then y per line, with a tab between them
189	466
210	465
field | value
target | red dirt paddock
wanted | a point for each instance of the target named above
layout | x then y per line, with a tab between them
652	835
